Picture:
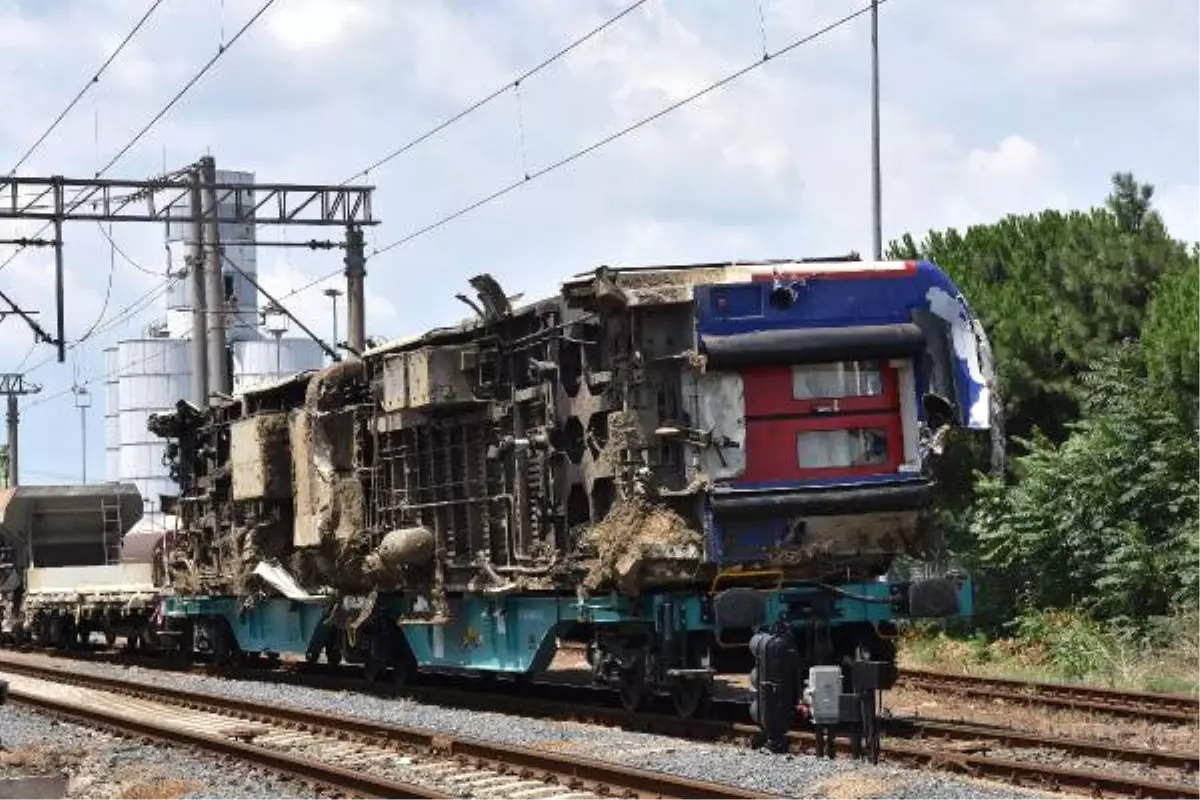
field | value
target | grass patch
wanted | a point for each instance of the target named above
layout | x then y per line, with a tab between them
1162	656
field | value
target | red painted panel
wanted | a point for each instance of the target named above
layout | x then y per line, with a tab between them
772	450
768	392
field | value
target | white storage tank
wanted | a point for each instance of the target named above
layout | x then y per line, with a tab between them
112	428
237	242
154	375
265	361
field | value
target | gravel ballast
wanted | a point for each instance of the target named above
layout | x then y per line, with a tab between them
102	765
782	775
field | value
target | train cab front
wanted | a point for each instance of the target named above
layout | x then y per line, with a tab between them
829	391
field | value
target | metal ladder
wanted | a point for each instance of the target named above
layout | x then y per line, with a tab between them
110	515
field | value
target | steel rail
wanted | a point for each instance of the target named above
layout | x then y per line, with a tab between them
580	703
330	775
572	770
1008	737
1159	707
1165	699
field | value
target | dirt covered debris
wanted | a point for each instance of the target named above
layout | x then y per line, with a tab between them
635	534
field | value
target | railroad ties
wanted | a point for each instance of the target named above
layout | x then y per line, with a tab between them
350	756
958	746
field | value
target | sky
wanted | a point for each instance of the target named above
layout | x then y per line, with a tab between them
988	107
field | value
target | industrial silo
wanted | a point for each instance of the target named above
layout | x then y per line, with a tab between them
112	427
154	375
237	243
265	361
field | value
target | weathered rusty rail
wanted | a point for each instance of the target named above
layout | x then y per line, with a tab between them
923	745
572	774
1158	707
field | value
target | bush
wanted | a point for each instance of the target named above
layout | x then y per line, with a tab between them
1105	522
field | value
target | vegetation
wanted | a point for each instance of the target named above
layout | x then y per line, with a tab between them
1072	647
1092	533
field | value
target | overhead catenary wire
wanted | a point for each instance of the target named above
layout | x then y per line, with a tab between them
95	79
791	46
107	234
112	268
25	359
221	50
329	351
600	143
126	313
514	82
44	399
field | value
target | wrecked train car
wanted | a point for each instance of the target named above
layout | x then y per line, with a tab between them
692	469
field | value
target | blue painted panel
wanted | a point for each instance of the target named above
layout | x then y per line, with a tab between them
750	540
512	634
277	625
738	302
827	300
847	610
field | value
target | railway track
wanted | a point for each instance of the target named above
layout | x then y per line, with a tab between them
1144	705
927	743
350	756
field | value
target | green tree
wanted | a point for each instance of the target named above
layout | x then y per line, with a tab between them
1106	521
1171	336
1056	291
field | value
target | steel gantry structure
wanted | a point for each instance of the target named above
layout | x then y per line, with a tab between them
189	193
13	385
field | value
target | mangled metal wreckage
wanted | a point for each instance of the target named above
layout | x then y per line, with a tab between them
691	468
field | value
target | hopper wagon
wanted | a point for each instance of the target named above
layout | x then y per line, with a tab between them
76	560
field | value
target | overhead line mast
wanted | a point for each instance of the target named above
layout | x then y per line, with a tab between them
58	199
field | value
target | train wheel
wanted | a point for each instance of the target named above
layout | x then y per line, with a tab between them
110	637
68	634
375	669
226	653
333	654
689	697
632	687
311	655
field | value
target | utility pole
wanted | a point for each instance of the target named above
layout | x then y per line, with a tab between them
333	294
83	401
876	188
218	372
199	352
14	385
356	331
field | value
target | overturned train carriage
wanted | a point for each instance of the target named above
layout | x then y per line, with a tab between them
692	469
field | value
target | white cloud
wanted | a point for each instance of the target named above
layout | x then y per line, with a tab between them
988	109
1015	157
303	26
1079	40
